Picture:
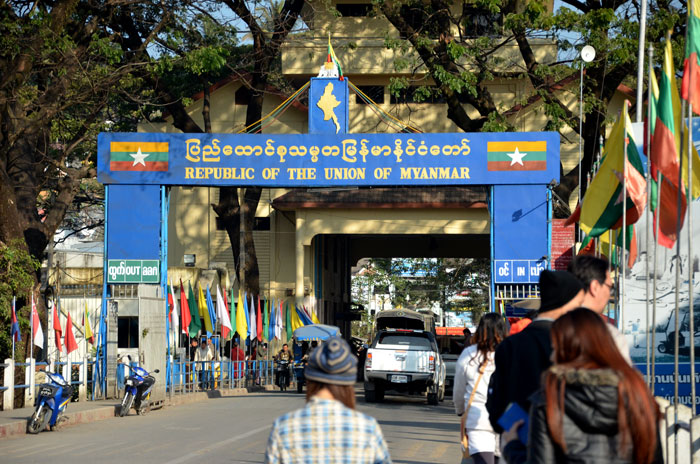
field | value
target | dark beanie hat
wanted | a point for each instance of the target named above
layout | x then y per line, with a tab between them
332	363
557	288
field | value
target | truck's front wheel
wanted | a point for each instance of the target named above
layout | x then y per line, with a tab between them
370	396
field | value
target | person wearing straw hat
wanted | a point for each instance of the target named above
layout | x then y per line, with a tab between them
328	429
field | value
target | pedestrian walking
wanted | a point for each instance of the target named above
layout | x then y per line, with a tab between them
522	358
594	274
328	429
472	374
594	407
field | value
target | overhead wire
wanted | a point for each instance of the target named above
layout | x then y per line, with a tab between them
403	126
257	125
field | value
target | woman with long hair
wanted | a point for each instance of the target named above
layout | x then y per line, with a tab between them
593	407
328	429
472	374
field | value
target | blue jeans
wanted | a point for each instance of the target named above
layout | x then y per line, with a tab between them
205	379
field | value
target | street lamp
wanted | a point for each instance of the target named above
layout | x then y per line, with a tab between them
587	55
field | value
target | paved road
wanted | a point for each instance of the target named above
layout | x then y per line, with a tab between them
230	429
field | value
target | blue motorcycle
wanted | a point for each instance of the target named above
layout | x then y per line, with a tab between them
137	391
51	403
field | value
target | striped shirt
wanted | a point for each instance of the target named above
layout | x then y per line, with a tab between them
326	431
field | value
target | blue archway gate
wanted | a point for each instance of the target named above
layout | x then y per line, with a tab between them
137	168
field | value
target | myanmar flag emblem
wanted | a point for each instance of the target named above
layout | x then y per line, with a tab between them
138	156
517	156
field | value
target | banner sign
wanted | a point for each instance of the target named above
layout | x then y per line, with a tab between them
133	271
519	271
327	160
664	380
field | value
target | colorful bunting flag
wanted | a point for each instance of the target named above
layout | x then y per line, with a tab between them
71	344
37	333
241	323
196	322
210	314
690	87
14	330
57	330
222	314
184	310
265	322
87	327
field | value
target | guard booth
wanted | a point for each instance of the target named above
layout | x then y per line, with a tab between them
137	169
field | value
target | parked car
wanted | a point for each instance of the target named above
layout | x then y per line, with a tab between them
451	342
406	361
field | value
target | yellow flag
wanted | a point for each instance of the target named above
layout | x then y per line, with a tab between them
314	317
241	323
88	329
203	311
296	321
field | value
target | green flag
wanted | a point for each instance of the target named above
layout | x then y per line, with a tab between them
266	322
288	321
196	322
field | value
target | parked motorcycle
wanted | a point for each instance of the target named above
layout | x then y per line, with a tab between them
137	391
51	402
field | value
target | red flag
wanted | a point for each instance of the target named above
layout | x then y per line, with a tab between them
184	310
71	344
667	213
58	332
258	321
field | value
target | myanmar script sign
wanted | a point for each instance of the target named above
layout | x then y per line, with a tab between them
327	160
133	271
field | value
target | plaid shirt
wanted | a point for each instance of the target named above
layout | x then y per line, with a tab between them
326	431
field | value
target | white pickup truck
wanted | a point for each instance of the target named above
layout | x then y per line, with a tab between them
404	360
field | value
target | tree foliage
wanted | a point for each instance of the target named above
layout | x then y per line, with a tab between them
17	270
461	47
451	284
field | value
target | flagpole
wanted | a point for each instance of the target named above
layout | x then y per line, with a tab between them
31	325
14	311
640	59
677	299
623	263
659	176
689	189
648	215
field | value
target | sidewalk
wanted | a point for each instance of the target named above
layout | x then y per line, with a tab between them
13	423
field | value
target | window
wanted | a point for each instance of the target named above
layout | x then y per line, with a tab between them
128	332
374	92
416	342
242	96
354	10
418	94
479	22
261	223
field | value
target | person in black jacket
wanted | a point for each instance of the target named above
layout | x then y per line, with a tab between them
576	417
522	358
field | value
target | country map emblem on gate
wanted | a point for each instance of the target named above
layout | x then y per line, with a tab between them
517	156
138	156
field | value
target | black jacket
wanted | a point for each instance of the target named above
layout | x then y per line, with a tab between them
520	361
590	424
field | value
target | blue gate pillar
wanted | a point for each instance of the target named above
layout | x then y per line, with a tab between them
520	238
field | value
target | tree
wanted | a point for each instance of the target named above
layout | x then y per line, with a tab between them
460	46
17	270
205	54
67	67
452	284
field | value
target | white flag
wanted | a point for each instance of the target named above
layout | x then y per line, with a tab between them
37	333
222	314
174	319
